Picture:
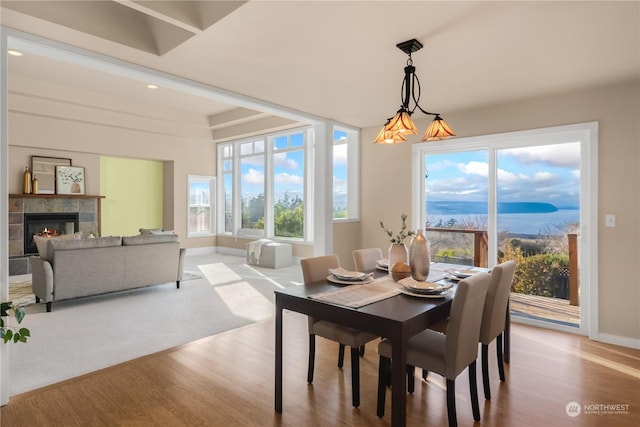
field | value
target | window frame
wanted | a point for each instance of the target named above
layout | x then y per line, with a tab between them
211	181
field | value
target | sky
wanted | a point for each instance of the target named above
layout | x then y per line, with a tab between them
549	173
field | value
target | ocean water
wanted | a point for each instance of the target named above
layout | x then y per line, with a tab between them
519	223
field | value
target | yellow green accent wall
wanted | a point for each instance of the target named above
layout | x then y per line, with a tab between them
133	195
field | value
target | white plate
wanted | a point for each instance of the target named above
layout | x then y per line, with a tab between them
379	267
334	279
414	294
461	274
422	287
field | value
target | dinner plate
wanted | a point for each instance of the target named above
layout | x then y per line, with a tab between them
334	279
461	274
380	267
342	274
423	287
414	294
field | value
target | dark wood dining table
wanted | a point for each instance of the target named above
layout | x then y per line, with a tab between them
396	318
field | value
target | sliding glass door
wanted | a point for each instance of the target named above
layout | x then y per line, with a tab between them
517	196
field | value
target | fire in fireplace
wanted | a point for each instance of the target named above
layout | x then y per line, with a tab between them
47	224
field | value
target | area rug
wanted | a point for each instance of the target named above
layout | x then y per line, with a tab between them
87	334
21	293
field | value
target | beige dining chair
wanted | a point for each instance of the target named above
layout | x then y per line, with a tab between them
446	354
494	318
365	259
313	270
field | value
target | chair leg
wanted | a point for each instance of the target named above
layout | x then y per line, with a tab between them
411	379
355	376
473	390
485	371
362	351
341	356
500	358
312	357
383	369
451	403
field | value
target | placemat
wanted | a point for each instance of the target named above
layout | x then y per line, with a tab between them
357	296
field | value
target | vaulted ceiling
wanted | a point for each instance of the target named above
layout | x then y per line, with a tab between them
338	60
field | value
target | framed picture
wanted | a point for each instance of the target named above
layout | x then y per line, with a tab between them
69	180
44	168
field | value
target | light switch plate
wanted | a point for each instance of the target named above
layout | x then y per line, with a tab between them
609	220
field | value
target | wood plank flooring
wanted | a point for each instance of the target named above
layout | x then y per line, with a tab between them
227	380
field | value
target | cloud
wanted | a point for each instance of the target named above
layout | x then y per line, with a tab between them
474	168
288	179
253	177
281	160
559	155
340	155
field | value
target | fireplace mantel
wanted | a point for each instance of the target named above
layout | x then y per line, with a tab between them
54	196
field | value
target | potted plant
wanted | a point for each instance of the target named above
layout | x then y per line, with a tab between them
9	333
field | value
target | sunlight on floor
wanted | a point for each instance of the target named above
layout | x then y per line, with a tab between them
240	297
582	354
219	273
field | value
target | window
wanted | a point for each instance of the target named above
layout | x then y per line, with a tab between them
263	182
201	197
345	174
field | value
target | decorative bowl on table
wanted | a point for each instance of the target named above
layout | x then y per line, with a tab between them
400	270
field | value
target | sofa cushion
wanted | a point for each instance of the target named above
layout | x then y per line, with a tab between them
156	232
146	239
43	248
99	242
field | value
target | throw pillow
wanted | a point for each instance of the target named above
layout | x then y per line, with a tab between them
150	230
43	249
160	232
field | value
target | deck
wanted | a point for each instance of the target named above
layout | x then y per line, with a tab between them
544	308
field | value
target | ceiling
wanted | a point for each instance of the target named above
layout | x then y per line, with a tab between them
338	60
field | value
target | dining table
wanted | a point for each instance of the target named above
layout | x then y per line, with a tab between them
395	316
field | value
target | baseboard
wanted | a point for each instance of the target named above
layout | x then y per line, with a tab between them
618	340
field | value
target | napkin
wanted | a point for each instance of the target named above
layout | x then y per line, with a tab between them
343	274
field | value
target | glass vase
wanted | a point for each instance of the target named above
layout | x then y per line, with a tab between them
419	257
398	252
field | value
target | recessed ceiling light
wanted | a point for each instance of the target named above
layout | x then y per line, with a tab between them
14	52
152	86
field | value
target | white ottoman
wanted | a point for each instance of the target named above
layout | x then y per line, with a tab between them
272	254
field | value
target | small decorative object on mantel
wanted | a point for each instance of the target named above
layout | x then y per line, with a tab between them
419	257
398	251
34	185
26	185
69	180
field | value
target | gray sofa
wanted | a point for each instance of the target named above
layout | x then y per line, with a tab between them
83	267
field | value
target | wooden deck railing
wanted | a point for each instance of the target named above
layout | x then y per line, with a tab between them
481	255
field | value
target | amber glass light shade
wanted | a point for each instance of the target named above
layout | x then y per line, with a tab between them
438	129
388	137
402	123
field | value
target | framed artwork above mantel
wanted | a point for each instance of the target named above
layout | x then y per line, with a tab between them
44	168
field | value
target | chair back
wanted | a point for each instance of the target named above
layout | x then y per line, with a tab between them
317	268
463	329
495	305
365	259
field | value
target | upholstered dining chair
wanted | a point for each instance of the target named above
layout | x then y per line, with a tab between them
446	354
365	259
493	318
313	270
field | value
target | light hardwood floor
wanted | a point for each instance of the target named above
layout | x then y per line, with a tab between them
227	380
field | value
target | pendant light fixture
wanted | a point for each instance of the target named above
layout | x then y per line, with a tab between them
400	125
